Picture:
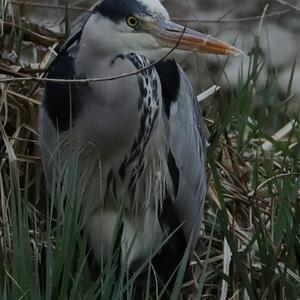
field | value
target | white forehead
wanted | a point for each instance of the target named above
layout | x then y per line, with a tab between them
155	8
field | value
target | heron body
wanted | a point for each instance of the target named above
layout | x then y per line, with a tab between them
141	137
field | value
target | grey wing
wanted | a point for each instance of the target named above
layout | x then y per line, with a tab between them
188	147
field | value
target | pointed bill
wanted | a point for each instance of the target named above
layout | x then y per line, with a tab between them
168	34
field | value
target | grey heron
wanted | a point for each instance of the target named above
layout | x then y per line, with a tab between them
141	137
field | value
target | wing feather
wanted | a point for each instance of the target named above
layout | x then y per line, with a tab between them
188	146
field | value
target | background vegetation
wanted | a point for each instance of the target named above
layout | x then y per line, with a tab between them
250	247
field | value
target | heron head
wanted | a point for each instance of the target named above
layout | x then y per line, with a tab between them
144	27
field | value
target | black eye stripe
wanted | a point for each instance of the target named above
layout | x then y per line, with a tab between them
118	10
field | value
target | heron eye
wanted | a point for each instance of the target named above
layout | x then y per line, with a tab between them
132	21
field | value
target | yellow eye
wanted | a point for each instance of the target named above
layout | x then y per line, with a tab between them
132	21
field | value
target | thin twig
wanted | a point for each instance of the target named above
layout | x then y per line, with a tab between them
227	13
10	72
212	90
87	80
53	6
233	20
297	8
32	35
250	194
22	97
263	16
281	133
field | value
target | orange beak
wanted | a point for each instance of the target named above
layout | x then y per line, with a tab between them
170	34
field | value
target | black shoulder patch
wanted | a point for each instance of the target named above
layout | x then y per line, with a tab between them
71	40
170	82
117	10
62	100
171	254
